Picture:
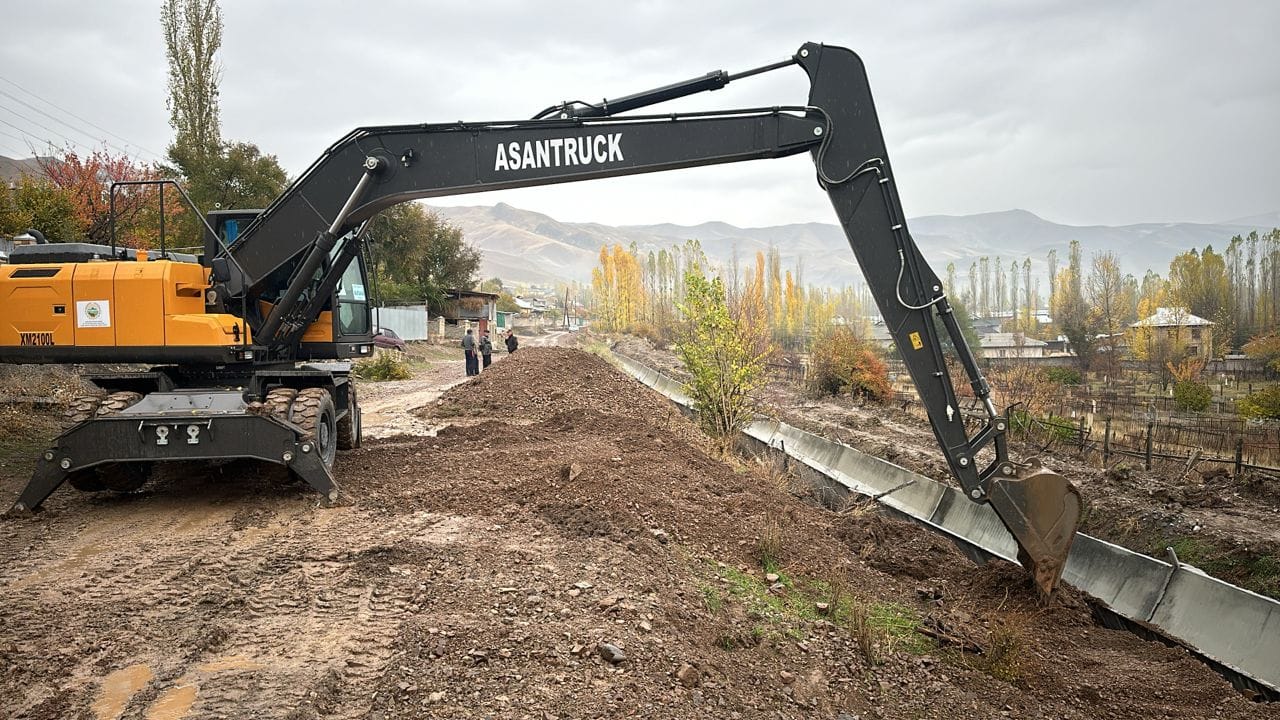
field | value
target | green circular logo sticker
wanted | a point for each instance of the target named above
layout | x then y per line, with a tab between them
92	310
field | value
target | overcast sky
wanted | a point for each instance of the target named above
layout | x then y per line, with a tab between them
1084	112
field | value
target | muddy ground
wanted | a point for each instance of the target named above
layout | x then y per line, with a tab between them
566	545
1228	527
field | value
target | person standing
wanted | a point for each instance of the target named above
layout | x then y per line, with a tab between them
512	342
469	349
486	348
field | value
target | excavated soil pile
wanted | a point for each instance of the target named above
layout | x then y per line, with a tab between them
568	549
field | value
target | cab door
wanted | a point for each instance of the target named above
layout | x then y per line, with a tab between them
352	321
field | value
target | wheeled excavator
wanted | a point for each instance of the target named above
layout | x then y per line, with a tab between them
249	342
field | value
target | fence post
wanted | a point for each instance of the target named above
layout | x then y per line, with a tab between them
1081	431
1239	456
1106	443
1150	425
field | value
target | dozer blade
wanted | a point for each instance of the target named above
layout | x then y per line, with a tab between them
1041	510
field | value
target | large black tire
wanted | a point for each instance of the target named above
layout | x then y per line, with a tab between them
278	402
125	477
119	477
313	411
81	408
349	425
117	401
86	480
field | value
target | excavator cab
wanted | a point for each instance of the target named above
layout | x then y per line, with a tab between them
342	327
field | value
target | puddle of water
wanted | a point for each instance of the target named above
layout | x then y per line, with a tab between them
117	688
174	704
235	662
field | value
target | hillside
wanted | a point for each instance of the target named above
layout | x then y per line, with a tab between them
526	246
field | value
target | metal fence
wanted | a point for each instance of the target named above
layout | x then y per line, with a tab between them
407	321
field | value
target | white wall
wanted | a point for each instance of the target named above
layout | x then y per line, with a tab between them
408	321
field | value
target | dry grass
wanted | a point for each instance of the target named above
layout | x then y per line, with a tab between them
1005	649
769	546
864	633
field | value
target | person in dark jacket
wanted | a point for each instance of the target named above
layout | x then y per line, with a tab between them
512	342
486	348
469	349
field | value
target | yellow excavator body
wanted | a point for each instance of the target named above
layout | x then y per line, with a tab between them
111	304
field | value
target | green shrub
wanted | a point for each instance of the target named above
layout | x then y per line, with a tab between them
1191	395
384	365
1263	404
719	352
842	364
1063	375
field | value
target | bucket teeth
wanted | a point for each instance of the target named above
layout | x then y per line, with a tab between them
1041	510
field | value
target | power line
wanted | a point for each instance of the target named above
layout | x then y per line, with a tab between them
30	134
15	137
56	119
50	103
8	148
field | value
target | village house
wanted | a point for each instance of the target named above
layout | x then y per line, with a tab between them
471	306
1012	345
1177	326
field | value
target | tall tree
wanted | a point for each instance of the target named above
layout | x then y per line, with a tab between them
1070	310
1053	274
775	288
192	36
984	304
1013	292
1031	305
218	174
1109	302
1198	281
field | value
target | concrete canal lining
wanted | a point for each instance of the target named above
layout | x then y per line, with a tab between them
1235	630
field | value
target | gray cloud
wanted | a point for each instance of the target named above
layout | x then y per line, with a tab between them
1084	112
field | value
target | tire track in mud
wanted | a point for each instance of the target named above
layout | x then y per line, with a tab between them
227	609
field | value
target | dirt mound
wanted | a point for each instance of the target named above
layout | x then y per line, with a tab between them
563	551
538	382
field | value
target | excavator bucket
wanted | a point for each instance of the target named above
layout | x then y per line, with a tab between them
1041	510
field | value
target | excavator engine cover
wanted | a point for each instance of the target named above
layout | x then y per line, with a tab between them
1041	510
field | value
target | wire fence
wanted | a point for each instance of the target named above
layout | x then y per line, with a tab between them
1237	446
1119	422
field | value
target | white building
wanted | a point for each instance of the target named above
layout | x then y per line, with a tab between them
1012	345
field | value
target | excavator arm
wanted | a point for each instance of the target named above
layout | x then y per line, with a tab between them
324	212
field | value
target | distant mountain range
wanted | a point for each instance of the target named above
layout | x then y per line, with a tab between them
524	246
12	169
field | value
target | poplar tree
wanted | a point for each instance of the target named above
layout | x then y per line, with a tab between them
192	36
